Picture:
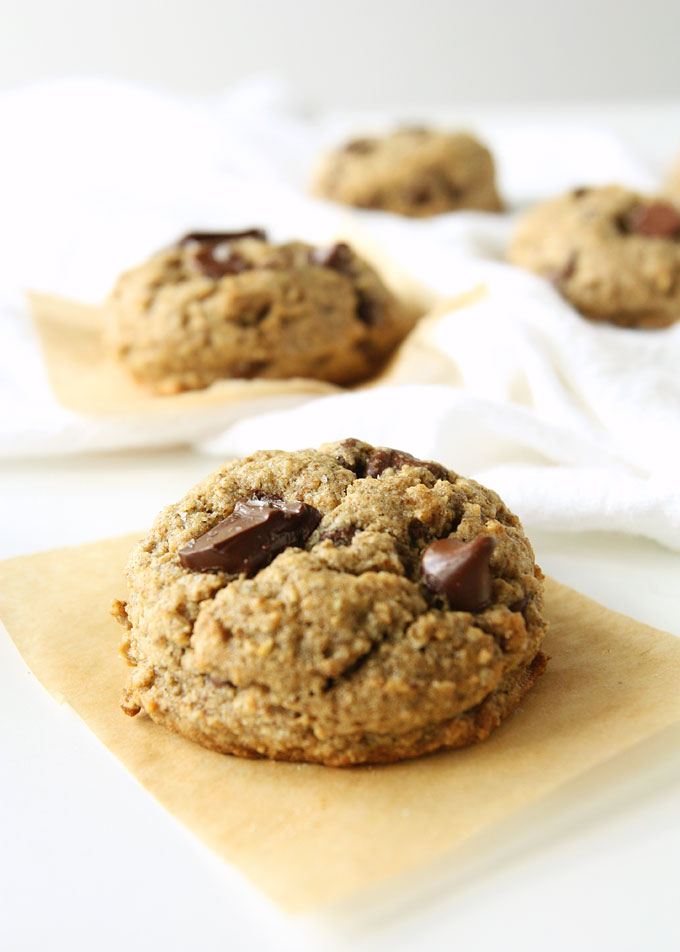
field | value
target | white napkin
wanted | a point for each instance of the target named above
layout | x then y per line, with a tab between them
576	425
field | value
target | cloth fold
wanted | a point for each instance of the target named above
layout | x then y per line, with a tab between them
576	425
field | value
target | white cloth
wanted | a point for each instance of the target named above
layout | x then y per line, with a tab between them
576	425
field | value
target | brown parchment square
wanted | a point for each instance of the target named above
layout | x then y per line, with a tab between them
85	378
309	835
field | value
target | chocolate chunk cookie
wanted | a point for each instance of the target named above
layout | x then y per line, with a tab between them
614	254
233	305
415	172
341	606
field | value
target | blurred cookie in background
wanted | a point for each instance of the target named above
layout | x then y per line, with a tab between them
233	305
613	253
413	171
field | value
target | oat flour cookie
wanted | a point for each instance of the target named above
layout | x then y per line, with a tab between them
611	252
233	305
340	606
415	172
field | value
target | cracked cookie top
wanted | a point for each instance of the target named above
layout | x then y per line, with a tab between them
401	596
233	305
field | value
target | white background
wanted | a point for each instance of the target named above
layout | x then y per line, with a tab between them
357	52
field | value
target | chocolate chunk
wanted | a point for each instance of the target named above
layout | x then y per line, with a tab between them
216	261
383	458
580	192
360	146
520	604
342	536
369	311
658	220
248	539
355	463
217	237
338	257
460	570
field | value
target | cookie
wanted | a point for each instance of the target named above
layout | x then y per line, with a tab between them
233	305
415	172
344	605
614	254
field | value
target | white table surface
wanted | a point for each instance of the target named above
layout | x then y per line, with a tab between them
90	862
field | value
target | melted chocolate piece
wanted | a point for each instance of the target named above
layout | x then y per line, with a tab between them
217	237
218	260
658	220
357	467
248	539
340	536
460	570
384	458
338	257
520	604
214	257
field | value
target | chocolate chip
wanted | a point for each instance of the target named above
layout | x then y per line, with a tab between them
342	536
217	237
460	570
580	192
658	220
338	257
369	311
357	465
416	531
383	458
251	536
360	146
219	260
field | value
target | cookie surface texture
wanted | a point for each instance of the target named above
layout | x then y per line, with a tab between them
342	643
614	254
215	306
414	172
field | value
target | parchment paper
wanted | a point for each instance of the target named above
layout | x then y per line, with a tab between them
85	378
308	835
